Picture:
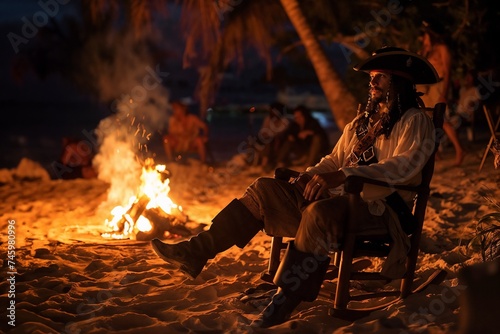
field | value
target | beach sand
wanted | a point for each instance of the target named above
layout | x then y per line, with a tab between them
72	280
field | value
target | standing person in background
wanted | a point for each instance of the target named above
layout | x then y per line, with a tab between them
437	52
186	133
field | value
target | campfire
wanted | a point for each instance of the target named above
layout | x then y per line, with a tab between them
151	213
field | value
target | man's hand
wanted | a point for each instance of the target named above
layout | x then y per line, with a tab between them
319	184
301	181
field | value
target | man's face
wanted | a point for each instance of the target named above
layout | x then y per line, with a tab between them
379	85
299	118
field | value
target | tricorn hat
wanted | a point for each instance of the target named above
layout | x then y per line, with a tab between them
398	61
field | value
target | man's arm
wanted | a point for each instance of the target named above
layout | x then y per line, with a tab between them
200	126
326	172
444	54
333	161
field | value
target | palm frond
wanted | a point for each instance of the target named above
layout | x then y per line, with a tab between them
219	32
486	238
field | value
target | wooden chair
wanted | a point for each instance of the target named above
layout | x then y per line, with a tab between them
494	131
345	268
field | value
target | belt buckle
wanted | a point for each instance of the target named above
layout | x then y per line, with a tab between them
368	154
353	159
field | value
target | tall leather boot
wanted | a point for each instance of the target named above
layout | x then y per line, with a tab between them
299	278
234	225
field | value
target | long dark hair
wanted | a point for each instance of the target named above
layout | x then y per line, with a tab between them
401	97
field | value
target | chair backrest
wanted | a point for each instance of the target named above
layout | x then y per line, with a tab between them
428	170
438	120
422	198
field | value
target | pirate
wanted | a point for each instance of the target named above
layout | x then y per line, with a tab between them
390	140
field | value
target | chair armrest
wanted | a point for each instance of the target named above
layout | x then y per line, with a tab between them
285	174
354	184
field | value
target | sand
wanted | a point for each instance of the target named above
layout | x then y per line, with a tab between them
72	280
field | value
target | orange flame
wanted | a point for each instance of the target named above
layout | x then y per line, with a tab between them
155	187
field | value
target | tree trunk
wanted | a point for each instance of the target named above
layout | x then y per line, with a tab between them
342	103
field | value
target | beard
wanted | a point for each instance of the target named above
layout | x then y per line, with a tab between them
377	95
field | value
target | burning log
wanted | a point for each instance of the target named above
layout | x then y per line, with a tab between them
163	220
162	223
152	214
133	214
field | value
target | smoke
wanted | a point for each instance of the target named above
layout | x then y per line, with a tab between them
139	110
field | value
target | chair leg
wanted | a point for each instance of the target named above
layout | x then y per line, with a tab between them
274	261
336	259
342	295
485	154
407	282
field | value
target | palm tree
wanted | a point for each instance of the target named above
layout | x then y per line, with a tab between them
342	102
219	31
222	30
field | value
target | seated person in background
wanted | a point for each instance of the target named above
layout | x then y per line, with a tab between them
271	134
186	133
76	160
306	142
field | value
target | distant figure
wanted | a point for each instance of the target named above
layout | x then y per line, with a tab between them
76	159
186	133
306	142
469	100
271	135
438	54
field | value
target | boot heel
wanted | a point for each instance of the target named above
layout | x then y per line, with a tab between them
299	278
180	256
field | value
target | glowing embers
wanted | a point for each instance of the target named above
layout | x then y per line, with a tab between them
150	214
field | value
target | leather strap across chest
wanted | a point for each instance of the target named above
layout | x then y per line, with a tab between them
363	153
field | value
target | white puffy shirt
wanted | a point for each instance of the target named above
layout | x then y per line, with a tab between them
401	157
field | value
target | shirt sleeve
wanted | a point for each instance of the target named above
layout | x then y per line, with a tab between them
333	161
414	140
